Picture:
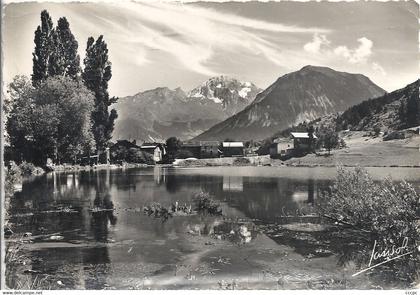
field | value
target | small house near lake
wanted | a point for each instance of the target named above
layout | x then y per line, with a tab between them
303	142
281	149
233	149
298	143
156	149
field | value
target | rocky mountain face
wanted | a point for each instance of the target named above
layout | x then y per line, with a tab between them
397	110
300	96
232	95
157	114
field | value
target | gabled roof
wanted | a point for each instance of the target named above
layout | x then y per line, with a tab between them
209	143
301	135
150	145
233	144
281	140
200	143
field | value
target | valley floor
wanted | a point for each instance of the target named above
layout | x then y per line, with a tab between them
365	151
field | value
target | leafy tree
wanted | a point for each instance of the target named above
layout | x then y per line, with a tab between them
377	130
65	60
12	177
328	139
388	210
311	131
173	144
130	155
413	110
44	47
264	148
55	51
52	120
18	110
96	75
72	103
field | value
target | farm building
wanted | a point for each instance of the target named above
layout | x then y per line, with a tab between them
156	149
281	149
202	149
193	148
209	149
232	149
299	143
303	142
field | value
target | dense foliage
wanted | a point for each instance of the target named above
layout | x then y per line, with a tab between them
389	210
28	169
13	176
173	144
55	50
65	60
205	204
59	115
130	155
50	121
328	138
44	48
173	150
96	75
409	111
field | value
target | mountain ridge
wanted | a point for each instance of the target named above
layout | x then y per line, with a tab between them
394	111
299	96
156	114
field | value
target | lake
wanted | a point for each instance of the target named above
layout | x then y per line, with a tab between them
266	238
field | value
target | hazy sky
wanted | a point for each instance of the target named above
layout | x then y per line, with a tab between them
154	44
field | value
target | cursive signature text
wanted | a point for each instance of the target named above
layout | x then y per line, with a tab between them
386	255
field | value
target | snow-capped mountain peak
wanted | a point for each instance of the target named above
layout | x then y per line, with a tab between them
232	94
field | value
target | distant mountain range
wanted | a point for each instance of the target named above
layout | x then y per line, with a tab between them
300	96
157	114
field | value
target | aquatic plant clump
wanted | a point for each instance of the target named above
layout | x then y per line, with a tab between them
158	211
205	204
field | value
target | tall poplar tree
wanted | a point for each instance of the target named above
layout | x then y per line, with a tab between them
96	75
44	47
64	60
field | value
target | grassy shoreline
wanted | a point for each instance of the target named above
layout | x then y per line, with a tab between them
360	151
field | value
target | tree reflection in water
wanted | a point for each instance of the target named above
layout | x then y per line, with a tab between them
102	213
96	260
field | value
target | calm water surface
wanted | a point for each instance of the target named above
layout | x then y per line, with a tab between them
121	247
